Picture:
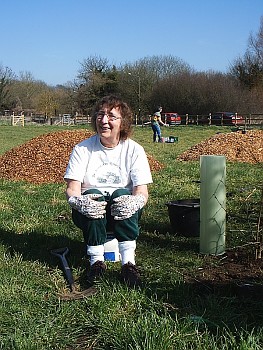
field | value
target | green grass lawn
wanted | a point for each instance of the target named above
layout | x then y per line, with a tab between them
166	313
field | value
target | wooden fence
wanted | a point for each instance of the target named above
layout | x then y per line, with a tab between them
187	119
199	119
18	120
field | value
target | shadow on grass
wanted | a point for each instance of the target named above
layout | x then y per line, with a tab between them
213	305
155	226
216	307
216	304
184	244
37	245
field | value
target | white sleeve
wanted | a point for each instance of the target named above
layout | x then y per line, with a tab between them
77	165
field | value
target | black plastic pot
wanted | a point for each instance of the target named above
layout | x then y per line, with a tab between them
184	217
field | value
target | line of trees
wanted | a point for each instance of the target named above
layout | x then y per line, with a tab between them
144	84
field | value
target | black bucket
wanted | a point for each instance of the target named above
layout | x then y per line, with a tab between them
185	217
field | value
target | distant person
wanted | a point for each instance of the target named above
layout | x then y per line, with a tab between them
156	121
107	177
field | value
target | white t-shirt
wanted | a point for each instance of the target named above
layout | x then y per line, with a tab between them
107	169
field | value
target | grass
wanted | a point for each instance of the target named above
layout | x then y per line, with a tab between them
167	313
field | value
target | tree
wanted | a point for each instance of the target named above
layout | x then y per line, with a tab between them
249	68
90	67
47	103
256	43
65	96
163	66
137	80
198	93
25	90
96	78
6	78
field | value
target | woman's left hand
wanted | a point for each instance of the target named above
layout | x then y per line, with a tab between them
127	205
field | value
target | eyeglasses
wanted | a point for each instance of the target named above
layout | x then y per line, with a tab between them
111	117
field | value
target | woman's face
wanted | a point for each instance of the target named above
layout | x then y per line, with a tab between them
108	123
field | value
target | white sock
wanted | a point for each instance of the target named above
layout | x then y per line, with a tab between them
127	251
96	252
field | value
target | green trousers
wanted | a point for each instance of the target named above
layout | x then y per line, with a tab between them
95	230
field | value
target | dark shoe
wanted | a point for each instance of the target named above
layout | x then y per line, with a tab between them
130	275
96	270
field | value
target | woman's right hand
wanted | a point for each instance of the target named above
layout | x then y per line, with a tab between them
88	205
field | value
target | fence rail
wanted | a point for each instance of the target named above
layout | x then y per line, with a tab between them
186	119
248	119
204	119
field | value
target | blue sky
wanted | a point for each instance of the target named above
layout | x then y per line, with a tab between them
50	38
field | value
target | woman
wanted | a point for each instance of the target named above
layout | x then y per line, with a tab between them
107	177
156	120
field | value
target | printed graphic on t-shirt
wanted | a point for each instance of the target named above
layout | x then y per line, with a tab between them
107	173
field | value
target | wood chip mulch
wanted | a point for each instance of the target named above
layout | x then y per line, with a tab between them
236	146
44	159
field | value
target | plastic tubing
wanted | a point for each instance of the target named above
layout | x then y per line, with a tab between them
212	204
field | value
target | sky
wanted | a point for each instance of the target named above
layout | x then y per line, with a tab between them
51	38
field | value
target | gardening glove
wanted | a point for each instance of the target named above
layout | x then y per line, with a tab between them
127	205
88	205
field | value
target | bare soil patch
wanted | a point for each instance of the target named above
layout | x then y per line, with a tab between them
236	272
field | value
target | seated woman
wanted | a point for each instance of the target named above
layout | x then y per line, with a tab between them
107	177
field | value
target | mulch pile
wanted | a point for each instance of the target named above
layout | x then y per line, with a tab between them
236	146
44	159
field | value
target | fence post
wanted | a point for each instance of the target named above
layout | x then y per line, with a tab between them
245	122
209	119
186	119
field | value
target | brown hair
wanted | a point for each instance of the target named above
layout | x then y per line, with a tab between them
110	102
